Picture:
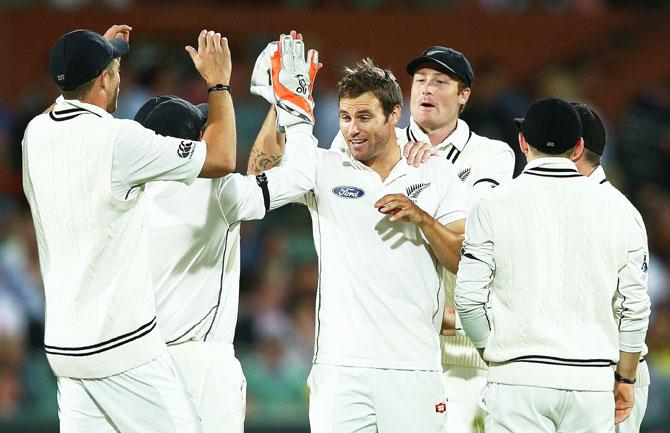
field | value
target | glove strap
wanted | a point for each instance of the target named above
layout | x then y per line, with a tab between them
218	87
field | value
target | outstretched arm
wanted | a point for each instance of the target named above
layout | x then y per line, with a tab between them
268	148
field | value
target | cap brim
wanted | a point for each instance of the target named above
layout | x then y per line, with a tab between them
518	123
119	47
204	109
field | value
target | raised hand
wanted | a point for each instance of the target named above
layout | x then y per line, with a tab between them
293	80
212	58
120	31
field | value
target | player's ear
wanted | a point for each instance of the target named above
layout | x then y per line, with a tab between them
394	116
578	152
464	95
522	144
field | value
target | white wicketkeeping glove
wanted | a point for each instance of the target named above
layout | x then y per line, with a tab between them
261	80
292	81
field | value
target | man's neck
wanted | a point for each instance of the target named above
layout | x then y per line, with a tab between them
383	165
438	135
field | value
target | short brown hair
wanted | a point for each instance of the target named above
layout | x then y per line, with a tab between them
366	77
591	157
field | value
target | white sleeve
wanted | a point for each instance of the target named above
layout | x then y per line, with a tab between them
497	169
631	302
297	173
475	273
455	200
240	198
143	156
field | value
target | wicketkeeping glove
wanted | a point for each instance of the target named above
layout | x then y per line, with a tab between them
292	81
261	80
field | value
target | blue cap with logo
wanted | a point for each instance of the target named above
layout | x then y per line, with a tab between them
447	60
80	56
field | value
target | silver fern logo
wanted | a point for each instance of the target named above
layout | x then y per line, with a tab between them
464	174
413	191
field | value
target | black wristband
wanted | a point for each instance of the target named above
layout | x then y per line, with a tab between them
619	378
217	87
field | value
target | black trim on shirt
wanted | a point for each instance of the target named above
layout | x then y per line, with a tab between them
131	188
603	181
487	179
458	153
262	182
120	340
451	152
192	327
223	271
554	170
318	284
552	175
553	360
70	113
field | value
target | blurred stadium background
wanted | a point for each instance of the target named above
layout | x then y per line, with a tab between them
613	54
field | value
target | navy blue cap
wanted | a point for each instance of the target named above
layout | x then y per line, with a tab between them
551	125
173	117
447	60
80	56
593	129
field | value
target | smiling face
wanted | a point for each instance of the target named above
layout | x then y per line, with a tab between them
368	133
436	98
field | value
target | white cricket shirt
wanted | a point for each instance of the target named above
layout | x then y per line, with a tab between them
380	295
598	175
194	245
549	281
481	164
84	174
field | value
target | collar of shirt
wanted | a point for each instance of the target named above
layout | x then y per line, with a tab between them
62	103
551	162
599	175
458	138
400	169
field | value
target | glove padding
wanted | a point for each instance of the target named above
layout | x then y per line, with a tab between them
293	80
261	79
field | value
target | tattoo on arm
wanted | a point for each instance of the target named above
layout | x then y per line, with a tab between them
261	161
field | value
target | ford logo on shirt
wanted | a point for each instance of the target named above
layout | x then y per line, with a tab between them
348	192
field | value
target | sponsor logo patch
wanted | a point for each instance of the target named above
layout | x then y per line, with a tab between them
645	266
441	407
185	149
348	192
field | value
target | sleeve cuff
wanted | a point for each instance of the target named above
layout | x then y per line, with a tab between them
632	342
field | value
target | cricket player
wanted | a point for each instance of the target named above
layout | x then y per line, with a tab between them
593	133
194	244
84	174
381	228
442	80
549	288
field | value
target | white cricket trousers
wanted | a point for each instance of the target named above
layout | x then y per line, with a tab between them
464	386
373	400
531	409
214	378
151	398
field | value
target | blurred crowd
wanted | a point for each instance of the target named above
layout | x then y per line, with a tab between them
587	7
274	338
